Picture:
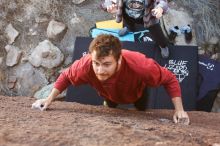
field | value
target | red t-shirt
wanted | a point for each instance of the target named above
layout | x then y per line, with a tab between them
126	85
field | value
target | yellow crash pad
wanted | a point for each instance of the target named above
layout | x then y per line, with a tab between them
109	24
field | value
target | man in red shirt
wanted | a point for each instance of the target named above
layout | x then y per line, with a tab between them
119	76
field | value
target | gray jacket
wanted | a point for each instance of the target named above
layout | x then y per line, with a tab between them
148	19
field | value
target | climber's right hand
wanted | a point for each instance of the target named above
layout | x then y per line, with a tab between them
41	104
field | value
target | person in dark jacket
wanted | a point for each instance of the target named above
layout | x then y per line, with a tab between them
146	12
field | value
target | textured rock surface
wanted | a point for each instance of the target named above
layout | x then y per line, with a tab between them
24	25
47	55
73	124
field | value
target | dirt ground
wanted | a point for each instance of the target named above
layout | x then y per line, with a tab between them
74	124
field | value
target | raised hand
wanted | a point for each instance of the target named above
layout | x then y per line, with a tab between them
157	12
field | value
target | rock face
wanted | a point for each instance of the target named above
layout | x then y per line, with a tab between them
25	24
50	25
73	124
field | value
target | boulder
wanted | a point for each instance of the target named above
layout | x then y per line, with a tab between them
11	33
13	55
46	55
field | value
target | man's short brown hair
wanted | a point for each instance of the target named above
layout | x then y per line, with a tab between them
106	45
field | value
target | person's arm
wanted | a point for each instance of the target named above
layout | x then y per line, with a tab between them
43	104
76	74
61	84
53	94
172	86
180	116
155	76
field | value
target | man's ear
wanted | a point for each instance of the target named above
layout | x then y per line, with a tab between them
120	59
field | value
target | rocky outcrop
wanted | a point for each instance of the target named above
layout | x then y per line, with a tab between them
74	124
46	55
38	37
55	29
44	43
